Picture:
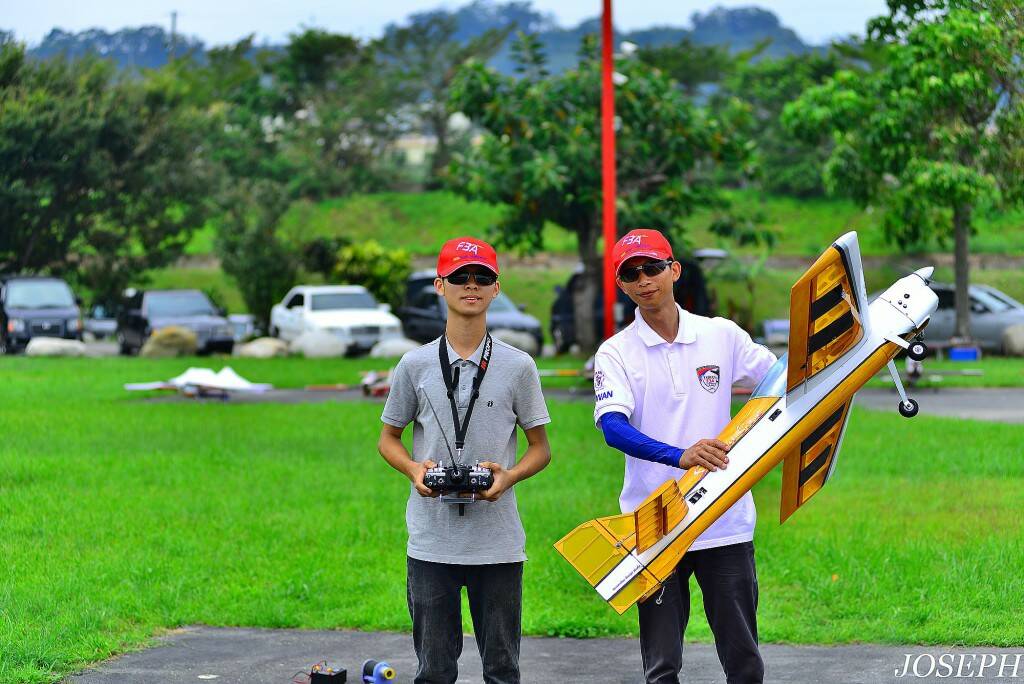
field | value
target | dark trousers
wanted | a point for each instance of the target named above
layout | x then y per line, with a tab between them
728	581
495	593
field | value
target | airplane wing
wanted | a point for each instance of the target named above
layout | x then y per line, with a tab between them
808	467
827	312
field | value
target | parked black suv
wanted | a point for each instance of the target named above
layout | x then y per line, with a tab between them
144	311
424	313
37	306
690	292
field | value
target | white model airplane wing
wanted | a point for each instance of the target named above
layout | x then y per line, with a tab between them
204	380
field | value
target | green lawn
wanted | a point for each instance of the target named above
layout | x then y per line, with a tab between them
123	517
419	222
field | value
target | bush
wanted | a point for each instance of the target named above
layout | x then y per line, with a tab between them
381	271
170	341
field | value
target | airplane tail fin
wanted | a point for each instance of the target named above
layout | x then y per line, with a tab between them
596	547
599	546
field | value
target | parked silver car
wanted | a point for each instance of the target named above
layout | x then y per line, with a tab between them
992	312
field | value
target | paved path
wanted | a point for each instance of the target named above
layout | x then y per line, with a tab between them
1004	405
990	403
254	656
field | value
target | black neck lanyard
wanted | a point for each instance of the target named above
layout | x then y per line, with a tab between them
451	384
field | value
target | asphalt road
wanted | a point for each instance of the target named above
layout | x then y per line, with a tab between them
252	656
1004	405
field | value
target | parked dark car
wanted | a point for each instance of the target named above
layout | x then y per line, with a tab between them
101	322
424	313
690	292
144	311
37	306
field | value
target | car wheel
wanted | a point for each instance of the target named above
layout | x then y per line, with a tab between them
558	337
122	347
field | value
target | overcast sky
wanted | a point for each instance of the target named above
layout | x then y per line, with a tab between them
223	21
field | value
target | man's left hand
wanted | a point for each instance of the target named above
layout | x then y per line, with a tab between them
503	479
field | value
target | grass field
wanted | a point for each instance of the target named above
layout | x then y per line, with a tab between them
123	517
419	222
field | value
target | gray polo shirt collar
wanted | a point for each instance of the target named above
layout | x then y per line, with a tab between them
475	357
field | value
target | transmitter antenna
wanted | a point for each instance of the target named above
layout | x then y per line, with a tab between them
438	421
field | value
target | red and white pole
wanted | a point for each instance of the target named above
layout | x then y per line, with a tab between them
608	165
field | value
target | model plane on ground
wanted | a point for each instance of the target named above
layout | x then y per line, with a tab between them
796	415
203	382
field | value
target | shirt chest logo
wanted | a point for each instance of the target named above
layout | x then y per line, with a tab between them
709	378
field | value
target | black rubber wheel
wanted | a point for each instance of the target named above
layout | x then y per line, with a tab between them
917	351
910	409
558	337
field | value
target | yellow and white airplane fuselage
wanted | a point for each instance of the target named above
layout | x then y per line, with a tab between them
797	414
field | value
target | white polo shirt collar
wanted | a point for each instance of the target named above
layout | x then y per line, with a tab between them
684	335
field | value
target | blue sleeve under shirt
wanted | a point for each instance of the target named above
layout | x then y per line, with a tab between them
619	434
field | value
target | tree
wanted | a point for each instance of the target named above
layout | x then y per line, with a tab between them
786	166
936	133
426	56
101	178
263	267
541	154
690	64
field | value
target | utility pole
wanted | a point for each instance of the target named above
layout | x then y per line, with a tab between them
174	35
608	166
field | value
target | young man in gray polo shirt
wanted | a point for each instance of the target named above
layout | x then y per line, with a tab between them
484	546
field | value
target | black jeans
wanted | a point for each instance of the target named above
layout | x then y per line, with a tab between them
728	581
495	592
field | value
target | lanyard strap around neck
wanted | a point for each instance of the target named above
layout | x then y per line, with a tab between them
451	384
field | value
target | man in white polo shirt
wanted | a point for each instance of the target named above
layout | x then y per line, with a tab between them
663	392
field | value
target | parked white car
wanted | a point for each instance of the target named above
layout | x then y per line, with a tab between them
347	311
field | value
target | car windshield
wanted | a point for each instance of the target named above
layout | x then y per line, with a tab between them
39	294
773	384
986	299
342	300
167	304
1003	297
502	303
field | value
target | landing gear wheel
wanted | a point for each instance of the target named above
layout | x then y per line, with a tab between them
917	351
910	409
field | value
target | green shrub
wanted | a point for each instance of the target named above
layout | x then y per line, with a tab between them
380	270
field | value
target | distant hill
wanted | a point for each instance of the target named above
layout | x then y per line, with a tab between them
740	28
142	47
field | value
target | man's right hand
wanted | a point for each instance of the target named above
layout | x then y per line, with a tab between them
708	453
416	473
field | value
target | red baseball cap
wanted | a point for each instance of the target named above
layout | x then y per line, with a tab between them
462	251
640	242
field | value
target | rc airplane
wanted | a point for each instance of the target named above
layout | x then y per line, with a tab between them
796	415
203	382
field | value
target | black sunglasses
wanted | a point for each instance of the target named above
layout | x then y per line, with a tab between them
462	277
650	269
